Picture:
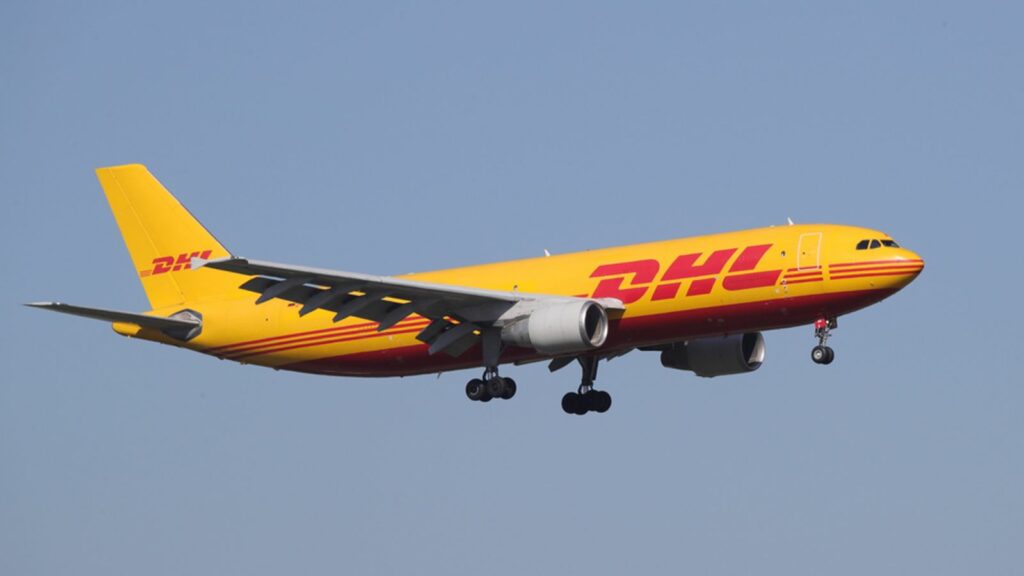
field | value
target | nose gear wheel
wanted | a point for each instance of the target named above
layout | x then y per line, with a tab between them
822	354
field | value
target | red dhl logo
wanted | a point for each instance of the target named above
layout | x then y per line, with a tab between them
701	277
165	264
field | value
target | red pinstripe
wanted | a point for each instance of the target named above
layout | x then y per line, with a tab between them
801	281
330	331
370	330
846	277
804	274
322	342
911	267
877	262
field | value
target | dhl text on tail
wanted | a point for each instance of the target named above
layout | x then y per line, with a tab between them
700	302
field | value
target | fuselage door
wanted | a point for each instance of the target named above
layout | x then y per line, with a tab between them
808	251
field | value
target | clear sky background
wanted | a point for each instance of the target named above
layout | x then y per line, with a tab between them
395	137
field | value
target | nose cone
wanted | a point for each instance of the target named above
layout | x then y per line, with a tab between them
888	268
905	266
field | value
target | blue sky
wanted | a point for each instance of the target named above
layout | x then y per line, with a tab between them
394	137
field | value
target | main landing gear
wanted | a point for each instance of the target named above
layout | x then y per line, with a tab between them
490	386
586	399
822	354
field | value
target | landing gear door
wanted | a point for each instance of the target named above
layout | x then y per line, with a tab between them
808	251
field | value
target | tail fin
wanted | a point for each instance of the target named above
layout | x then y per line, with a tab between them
162	238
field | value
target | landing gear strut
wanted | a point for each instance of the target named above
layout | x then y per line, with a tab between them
491	385
822	354
586	398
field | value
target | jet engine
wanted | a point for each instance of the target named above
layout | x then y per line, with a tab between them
560	328
717	356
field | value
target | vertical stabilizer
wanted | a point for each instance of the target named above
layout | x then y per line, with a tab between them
162	238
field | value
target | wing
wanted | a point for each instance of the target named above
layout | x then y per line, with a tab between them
458	314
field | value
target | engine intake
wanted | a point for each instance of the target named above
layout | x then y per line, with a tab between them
719	356
560	328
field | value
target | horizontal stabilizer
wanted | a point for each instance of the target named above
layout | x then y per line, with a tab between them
181	328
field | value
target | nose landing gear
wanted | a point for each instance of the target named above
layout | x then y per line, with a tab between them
822	354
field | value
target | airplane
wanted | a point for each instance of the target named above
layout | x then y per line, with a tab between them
702	303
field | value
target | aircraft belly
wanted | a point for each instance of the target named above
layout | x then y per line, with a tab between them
406	356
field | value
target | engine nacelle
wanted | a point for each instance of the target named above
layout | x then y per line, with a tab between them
718	356
560	328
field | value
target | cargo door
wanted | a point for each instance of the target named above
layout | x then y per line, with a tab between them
808	251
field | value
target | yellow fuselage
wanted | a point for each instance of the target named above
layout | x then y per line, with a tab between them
673	290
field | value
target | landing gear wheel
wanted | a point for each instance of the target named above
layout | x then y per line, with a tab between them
600	401
573	403
510	389
490	385
822	354
819	354
830	355
475	389
585	398
496	387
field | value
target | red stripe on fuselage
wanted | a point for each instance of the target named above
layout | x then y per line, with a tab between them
277	344
848	276
804	274
803	280
911	267
321	342
624	334
229	348
894	261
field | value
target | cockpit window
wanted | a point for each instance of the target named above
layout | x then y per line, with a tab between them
875	244
862	245
890	244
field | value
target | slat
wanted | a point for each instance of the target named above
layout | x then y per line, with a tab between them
449	337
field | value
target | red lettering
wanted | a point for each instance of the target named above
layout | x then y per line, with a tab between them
182	262
643	272
751	280
166	264
749	258
701	286
162	264
686	266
